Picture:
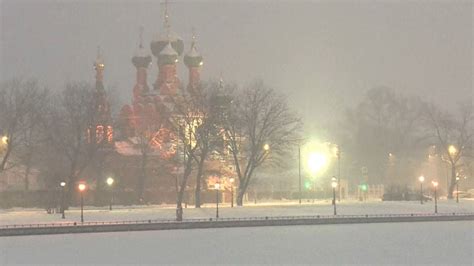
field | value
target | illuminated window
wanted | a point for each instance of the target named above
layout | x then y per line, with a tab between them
99	134
110	133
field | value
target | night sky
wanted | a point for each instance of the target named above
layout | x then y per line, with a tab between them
323	54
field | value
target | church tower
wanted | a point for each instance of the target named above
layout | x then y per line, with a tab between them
141	60
194	61
167	47
101	130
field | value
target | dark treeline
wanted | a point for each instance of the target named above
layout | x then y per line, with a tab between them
396	137
44	134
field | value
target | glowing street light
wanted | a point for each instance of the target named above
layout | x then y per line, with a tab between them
452	150
334	186
5	140
266	147
110	182
82	188
217	186
421	179
232	180
435	186
316	162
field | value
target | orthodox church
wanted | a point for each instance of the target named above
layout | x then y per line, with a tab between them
141	139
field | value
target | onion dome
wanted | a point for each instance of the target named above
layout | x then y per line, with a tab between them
162	40
141	58
193	58
167	56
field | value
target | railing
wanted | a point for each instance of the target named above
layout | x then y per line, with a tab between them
197	220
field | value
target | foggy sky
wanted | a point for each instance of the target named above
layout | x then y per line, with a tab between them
323	54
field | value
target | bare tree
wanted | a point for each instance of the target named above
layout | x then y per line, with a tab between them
382	132
147	136
20	105
185	122
258	125
69	119
203	105
454	135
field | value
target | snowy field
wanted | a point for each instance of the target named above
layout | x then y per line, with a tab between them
127	213
432	243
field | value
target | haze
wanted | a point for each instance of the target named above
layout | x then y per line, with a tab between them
324	58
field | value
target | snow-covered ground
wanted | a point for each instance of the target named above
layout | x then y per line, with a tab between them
126	213
432	243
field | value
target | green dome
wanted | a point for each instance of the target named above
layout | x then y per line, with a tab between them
167	56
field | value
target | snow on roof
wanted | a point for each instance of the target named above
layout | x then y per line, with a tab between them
141	52
131	147
193	52
168	50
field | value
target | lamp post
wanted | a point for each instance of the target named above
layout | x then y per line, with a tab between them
421	179
63	186
334	185
338	155
435	186
216	187
232	180
110	182
82	188
299	173
457	189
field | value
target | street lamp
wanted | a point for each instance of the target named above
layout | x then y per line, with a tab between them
316	162
5	140
63	186
334	186
452	150
435	186
421	179
216	187
110	182
457	188
337	151
266	147
82	188
232	180
299	173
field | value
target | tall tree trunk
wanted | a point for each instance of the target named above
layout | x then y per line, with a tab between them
71	185
27	176
240	196
5	158
452	184
197	192
99	191
182	187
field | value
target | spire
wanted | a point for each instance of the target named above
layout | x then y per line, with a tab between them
167	35
193	58
141	37
166	18
193	42
221	81
141	59
99	68
99	61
